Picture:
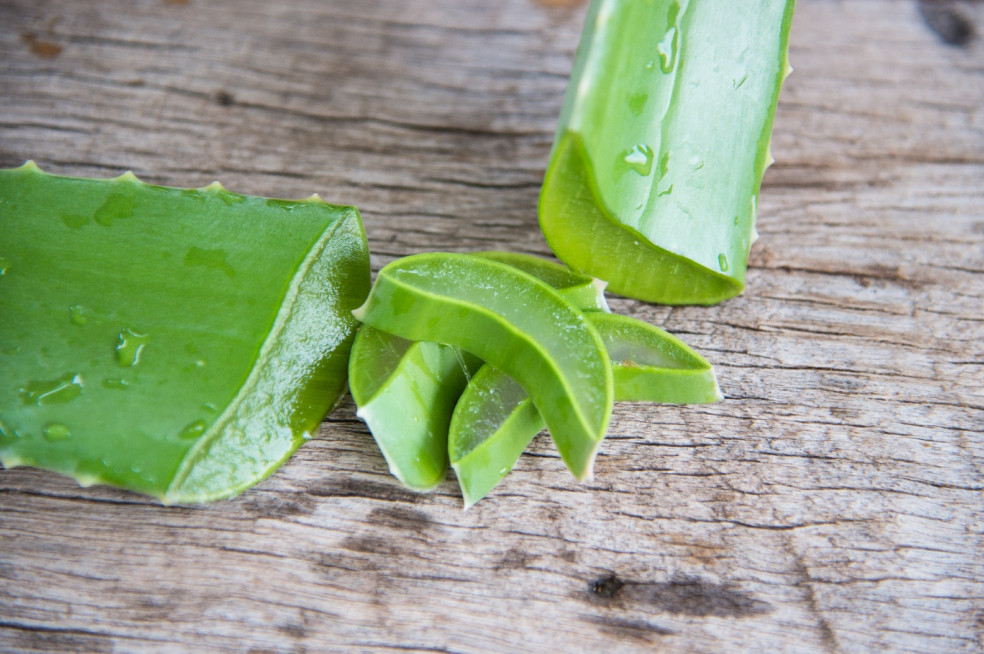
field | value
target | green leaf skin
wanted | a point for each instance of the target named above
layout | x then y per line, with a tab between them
662	143
494	421
406	391
177	342
514	322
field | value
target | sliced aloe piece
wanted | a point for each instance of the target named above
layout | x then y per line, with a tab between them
584	292
494	421
513	321
406	391
176	342
655	172
651	365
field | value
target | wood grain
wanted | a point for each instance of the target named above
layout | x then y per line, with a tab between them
831	504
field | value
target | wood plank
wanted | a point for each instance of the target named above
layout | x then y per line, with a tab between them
831	503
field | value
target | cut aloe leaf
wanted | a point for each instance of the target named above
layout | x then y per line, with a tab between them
176	342
662	143
492	425
513	321
494	421
406	391
584	292
652	365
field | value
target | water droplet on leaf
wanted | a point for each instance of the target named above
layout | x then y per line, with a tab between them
116	207
75	220
667	51
639	158
129	347
209	258
56	432
193	430
76	315
52	391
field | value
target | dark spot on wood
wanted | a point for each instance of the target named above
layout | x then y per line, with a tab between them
843	382
513	559
692	596
157	609
949	23
370	545
340	568
224	99
886	274
40	47
293	630
31	638
606	587
354	487
567	555
631	629
7	571
278	505
177	2
399	518
805	580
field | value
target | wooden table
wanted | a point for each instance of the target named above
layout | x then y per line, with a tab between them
831	504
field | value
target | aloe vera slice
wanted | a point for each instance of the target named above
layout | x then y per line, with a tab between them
651	365
584	292
406	391
662	143
177	342
513	321
494	421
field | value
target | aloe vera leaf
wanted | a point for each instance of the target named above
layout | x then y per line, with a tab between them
652	365
513	321
405	391
177	342
655	171
494	420
583	291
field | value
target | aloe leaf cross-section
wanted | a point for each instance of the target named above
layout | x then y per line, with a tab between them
662	142
406	392
513	321
181	343
495	420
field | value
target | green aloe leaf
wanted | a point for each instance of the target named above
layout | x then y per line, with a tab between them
583	291
177	342
494	421
652	365
513	321
406	391
662	143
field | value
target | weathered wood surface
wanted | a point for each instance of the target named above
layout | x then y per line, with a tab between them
831	504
